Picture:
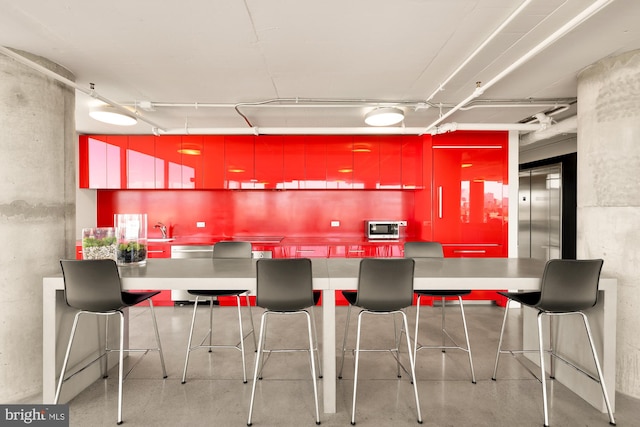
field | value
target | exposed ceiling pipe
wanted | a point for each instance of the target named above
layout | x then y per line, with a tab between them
560	107
569	125
449	127
453	126
326	103
577	20
496	32
37	67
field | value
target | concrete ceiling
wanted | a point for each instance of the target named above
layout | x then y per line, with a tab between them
292	64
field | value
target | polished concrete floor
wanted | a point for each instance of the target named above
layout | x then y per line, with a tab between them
214	393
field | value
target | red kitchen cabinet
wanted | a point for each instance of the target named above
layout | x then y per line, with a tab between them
470	177
191	148
141	162
469	192
169	166
102	161
212	168
293	162
391	162
269	162
339	155
315	163
239	156
160	251
479	250
366	162
412	177
304	251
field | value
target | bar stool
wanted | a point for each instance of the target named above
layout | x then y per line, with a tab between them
221	250
316	298
284	287
568	287
94	287
417	250
385	286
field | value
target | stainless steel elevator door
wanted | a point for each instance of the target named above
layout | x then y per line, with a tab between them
540	213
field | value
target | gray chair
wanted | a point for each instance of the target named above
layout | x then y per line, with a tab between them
417	250
94	287
269	351
222	250
385	286
568	287
284	287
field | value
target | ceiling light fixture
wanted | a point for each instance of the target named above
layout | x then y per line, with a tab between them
109	114
384	116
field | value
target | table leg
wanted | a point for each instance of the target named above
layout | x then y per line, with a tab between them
329	350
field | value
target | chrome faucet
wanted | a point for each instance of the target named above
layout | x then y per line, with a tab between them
163	229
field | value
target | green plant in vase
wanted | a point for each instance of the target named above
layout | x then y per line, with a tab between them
131	252
99	245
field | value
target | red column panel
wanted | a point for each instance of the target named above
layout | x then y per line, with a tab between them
83	161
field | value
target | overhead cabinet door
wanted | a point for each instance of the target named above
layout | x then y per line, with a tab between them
469	199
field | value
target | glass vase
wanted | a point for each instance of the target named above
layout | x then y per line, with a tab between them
132	238
99	243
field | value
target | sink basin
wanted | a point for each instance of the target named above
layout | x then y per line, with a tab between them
168	239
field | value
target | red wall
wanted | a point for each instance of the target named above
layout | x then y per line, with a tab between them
299	213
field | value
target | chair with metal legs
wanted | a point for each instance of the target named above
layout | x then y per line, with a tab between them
568	287
94	287
222	250
316	351
385	286
417	250
284	287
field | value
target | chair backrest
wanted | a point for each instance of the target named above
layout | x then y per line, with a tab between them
232	250
284	284
570	285
385	284
423	250
92	285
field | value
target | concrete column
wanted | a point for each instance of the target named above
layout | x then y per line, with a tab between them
609	193
37	212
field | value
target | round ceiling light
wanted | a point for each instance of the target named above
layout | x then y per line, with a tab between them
384	116
112	116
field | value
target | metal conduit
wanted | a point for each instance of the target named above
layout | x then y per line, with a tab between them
567	27
35	66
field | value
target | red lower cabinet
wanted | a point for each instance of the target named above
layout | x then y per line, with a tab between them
160	251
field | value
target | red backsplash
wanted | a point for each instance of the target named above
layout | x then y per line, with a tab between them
297	213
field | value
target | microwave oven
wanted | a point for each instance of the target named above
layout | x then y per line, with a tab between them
388	230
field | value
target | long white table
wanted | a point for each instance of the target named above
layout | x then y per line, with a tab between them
330	275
